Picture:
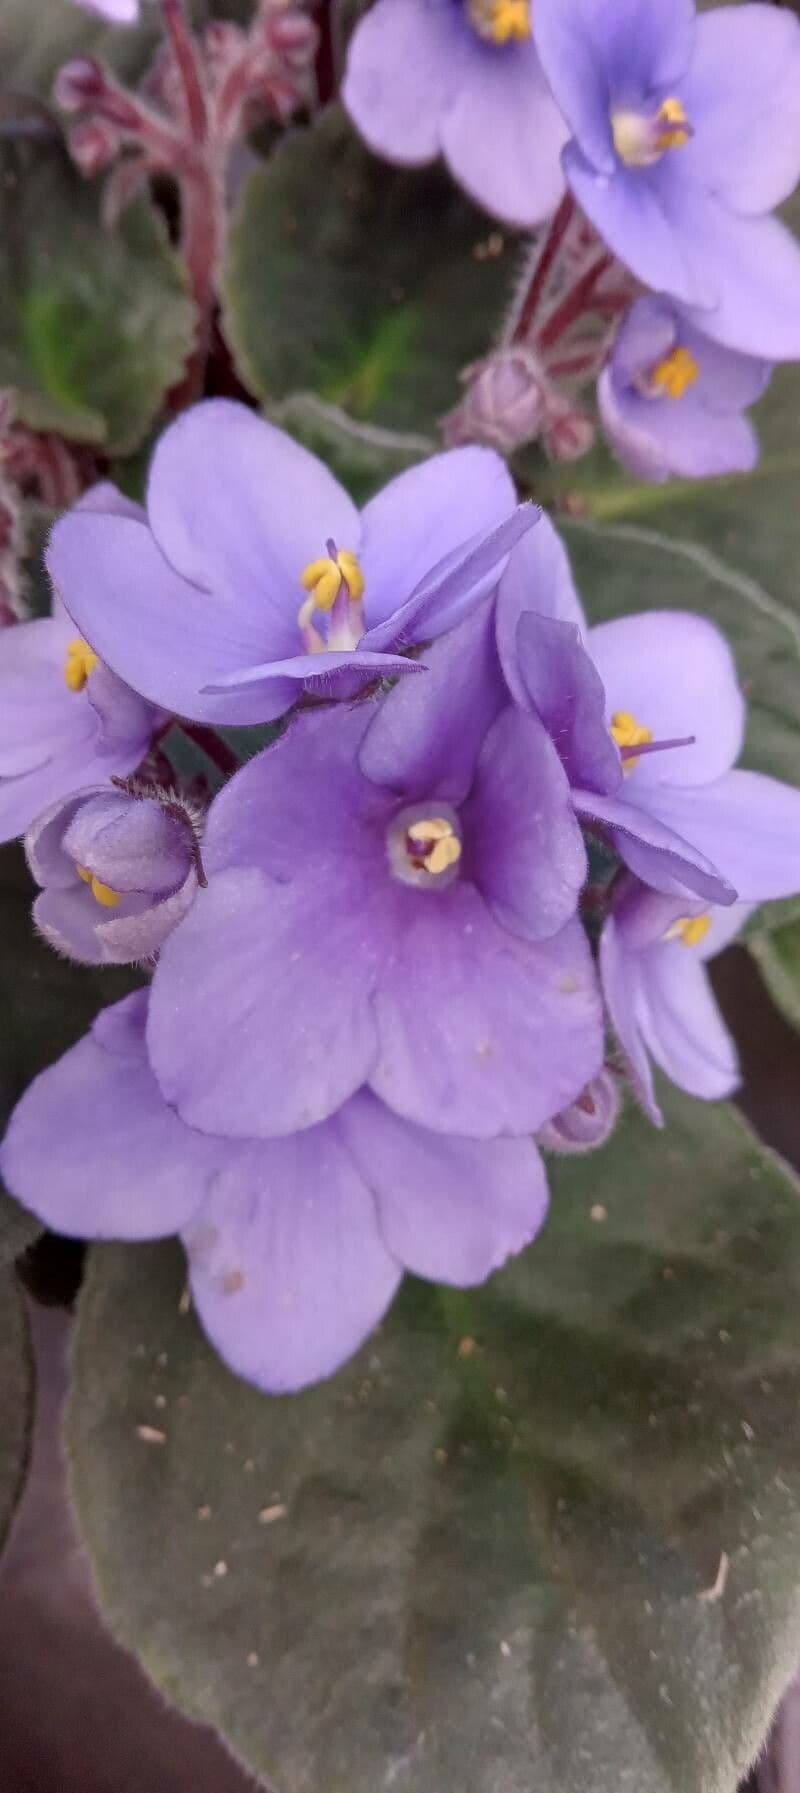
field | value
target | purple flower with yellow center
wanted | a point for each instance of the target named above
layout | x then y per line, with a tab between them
118	868
685	137
296	1246
253	578
461	79
66	720
653	955
391	902
673	402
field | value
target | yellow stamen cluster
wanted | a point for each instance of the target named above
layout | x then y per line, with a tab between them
104	894
689	929
323	579
674	129
438	843
640	141
673	376
627	732
80	661
501	21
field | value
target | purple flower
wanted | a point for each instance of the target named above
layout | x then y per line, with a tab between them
653	954
118	870
686	136
462	79
672	401
117	12
65	719
253	577
391	901
296	1246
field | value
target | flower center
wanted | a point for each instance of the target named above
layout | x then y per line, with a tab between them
104	894
673	376
335	584
80	661
425	848
627	732
640	140
500	21
689	929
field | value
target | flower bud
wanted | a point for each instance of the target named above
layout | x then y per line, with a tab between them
588	1122
504	403
118	867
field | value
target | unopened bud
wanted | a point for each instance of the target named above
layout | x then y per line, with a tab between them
568	434
79	84
504	404
588	1122
93	146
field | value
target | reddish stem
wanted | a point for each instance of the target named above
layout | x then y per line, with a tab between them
185	52
575	303
555	238
210	743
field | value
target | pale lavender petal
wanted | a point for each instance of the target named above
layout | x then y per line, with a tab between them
741	88
288	1267
749	825
453	588
502	134
94	1151
620	972
524	848
750	267
426	514
681	1024
539	578
726	926
402	67
107	499
450	1209
676	674
630	215
654	851
655	439
130	843
566	692
595	54
482	1033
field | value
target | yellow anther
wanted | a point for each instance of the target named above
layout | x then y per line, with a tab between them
80	661
104	894
323	578
640	141
674	129
501	21
689	929
675	374
438	844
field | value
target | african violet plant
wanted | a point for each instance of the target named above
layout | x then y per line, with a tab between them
416	753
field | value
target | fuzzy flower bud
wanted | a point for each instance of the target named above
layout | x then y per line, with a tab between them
588	1122
504	403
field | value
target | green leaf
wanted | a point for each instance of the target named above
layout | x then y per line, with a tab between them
46	1003
95	324
483	1565
16	1396
365	286
777	952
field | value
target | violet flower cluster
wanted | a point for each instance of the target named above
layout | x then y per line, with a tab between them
371	999
677	134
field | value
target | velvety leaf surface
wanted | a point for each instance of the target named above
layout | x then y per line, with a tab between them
778	954
367	286
542	1535
46	1003
95	324
16	1393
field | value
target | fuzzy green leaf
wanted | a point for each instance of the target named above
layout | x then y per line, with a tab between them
95	324
564	1554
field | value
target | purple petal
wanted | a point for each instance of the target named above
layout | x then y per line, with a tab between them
750	267
129	843
525	850
658	438
315	672
423	516
453	588
538	578
425	737
750	826
450	1209
44	848
681	1024
398	116
93	1150
39	716
620	975
107	500
628	210
741	91
288	1268
482	1033
676	674
567	694
654	851
595	54
239	509
502	134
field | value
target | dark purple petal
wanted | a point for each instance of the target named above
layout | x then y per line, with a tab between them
654	851
523	846
483	1033
502	133
321	673
539	578
93	1150
288	1268
397	113
567	694
676	674
425	737
450	1209
425	515
453	588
